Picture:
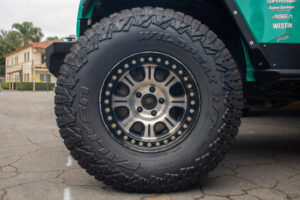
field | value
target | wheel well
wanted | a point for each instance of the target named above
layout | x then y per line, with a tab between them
212	13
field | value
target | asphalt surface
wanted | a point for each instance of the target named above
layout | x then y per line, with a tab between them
264	162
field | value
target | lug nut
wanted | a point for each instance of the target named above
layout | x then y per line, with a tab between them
138	95
152	89
153	113
140	109
161	101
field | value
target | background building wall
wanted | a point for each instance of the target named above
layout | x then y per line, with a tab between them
24	60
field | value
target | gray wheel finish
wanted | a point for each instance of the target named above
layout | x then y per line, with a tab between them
149	101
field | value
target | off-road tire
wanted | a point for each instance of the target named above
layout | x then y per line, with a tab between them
91	59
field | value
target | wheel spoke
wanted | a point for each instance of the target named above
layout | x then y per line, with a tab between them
129	121
130	82
149	131
180	101
149	72
119	101
169	81
169	122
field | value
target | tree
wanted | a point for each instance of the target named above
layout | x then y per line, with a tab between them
2	70
9	41
28	32
50	38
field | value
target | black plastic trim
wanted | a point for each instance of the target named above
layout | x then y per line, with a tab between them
55	54
283	55
256	53
264	77
281	84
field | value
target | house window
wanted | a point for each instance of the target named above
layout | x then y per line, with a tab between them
12	61
43	58
24	57
28	56
45	78
16	78
16	60
26	77
7	62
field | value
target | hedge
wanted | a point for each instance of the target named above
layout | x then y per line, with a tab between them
27	86
4	85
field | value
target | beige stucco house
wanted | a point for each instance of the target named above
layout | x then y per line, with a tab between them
26	64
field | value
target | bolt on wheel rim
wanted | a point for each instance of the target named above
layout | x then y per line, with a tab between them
149	101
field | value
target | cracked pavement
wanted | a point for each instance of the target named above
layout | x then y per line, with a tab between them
263	164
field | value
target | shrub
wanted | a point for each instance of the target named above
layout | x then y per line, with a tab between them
44	86
27	86
23	86
4	85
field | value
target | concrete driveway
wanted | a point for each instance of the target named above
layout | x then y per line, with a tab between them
264	162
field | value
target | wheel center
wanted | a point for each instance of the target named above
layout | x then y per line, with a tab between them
149	101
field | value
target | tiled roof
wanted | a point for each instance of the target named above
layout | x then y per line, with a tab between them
37	45
42	45
14	71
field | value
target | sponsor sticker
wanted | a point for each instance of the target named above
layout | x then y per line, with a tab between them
282	17
282	25
281	1
282	10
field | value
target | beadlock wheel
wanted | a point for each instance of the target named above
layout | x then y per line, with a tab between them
150	101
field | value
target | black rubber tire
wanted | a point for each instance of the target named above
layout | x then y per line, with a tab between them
106	43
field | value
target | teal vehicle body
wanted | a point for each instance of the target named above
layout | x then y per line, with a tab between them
270	21
88	14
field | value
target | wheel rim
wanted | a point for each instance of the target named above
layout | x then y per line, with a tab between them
149	101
